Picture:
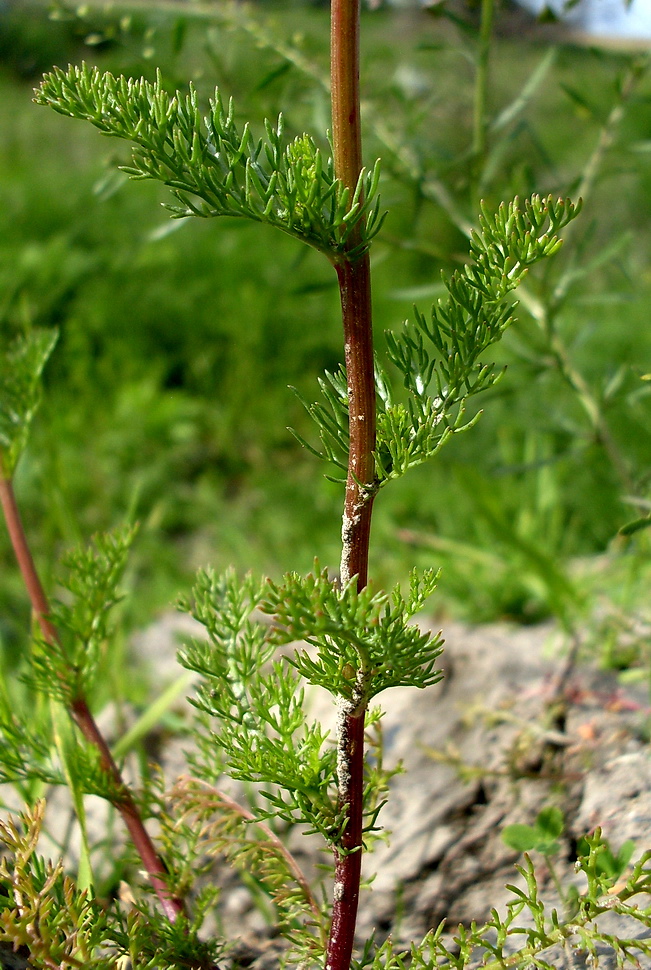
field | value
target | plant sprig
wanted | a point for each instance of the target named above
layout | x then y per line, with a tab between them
26	751
440	358
65	669
224	828
213	168
364	639
21	366
537	927
57	924
256	705
357	641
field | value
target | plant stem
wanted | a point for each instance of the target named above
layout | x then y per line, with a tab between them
546	315
80	711
24	558
348	856
355	291
128	809
354	277
481	83
344	88
592	407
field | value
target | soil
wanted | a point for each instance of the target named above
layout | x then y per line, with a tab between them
511	729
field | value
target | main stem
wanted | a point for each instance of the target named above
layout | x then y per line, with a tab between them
80	711
354	277
355	290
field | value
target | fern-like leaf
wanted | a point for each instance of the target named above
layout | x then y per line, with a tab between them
364	641
439	357
66	669
21	365
216	169
256	705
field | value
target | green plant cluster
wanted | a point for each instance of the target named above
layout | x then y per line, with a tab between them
21	367
50	923
290	187
57	925
91	576
262	728
545	934
440	359
224	829
180	438
259	727
365	641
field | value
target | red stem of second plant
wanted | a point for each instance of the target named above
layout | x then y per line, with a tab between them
81	713
355	289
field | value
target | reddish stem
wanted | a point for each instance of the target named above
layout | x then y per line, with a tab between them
355	291
344	91
23	554
348	858
172	906
80	712
354	277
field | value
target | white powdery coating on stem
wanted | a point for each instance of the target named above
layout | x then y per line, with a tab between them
348	526
338	891
344	710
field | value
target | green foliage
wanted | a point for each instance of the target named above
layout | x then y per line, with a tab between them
27	750
59	924
21	366
40	907
541	837
290	187
440	359
365	643
66	670
364	640
262	729
598	860
230	831
151	942
539	928
37	742
635	526
44	914
602	866
37	748
157	372
252	718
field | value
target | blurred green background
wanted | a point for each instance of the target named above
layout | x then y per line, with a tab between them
167	396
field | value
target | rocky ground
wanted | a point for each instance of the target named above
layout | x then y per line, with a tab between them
509	731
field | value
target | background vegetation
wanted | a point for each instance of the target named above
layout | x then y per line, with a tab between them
167	396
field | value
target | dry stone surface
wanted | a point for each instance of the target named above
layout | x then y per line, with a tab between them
480	751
